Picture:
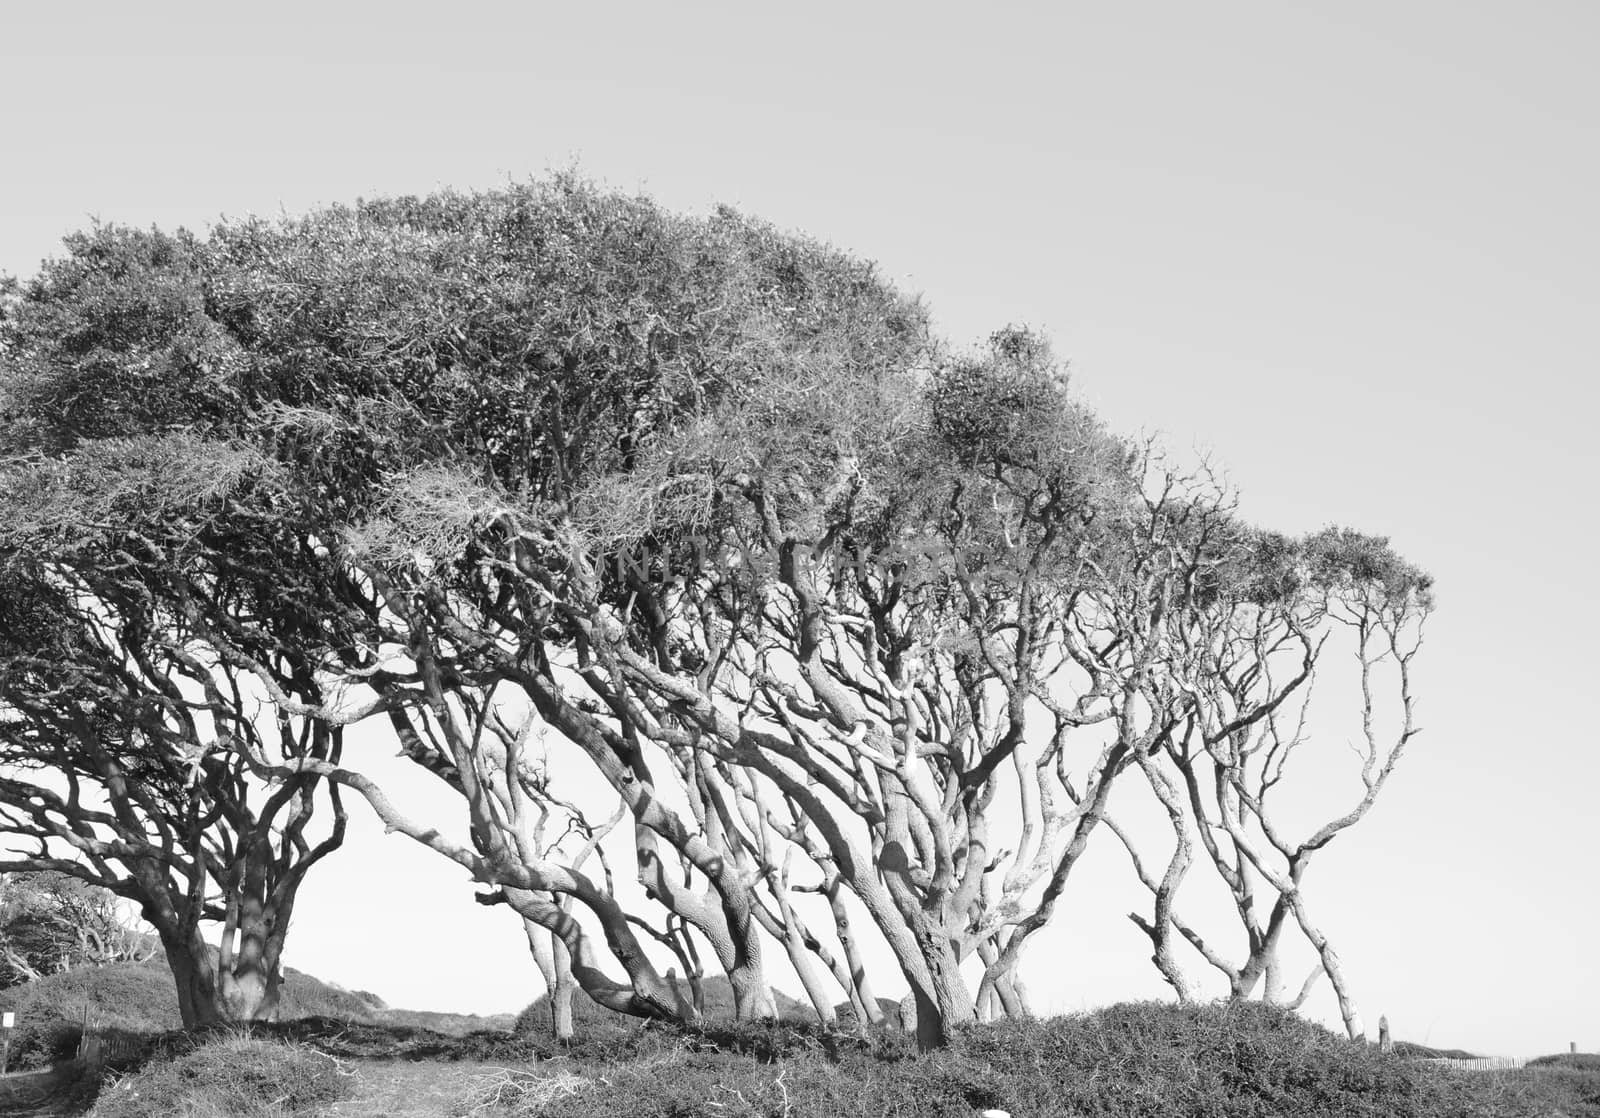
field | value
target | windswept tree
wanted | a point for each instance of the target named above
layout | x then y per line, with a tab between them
120	725
858	632
52	922
119	766
836	600
899	558
1262	616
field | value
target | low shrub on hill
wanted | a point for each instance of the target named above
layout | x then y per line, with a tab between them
1216	1059
1577	1061
122	998
1146	1060
589	1016
1423	1052
386	1040
301	995
230	1077
140	999
454	1024
1567	1084
1131	1061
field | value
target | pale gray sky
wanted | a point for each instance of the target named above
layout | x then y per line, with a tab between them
1350	249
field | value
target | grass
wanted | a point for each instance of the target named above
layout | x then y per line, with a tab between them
1572	1061
510	1091
1140	1060
230	1077
125	998
139	1000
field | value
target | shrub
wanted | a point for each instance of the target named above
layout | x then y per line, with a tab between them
1578	1061
588	1015
1130	1061
1567	1084
140	999
122	998
1222	1059
230	1077
371	999
367	1040
301	995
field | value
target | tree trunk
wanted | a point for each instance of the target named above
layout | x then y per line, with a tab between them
1007	991
804	952
561	995
197	995
189	958
554	961
944	1003
811	982
248	995
989	1008
862	994
247	980
999	994
1272	992
647	994
752	997
1330	966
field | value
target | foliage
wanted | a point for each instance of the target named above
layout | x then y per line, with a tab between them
50	922
712	502
1145	1060
123	999
118	728
1570	1087
112	339
138	999
392	1037
231	1077
1579	1061
1423	1052
1132	1061
591	1018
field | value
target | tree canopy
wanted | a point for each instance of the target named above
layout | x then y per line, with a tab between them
860	630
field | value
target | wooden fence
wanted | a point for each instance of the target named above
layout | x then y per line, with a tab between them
1481	1063
96	1049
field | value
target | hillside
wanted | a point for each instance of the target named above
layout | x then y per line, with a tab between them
339	1052
1146	1060
140	998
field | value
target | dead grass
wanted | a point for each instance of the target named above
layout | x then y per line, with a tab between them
230	1076
410	1089
514	1092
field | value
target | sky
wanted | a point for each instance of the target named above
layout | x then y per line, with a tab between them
1349	251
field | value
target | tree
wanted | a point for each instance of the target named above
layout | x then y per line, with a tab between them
119	723
119	749
1245	652
642	322
53	922
810	594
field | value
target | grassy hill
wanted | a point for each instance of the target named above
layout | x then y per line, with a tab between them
1145	1060
343	1052
140	999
